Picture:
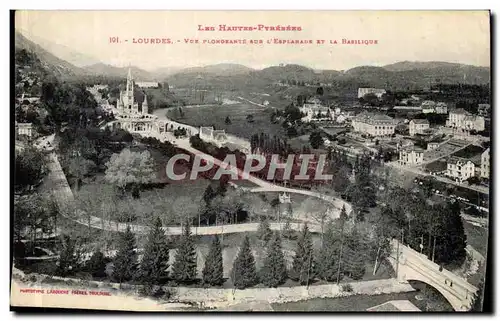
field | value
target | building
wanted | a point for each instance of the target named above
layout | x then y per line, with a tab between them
411	156
24	129
485	164
460	169
408	108
374	124
441	108
377	92
316	112
210	135
432	146
418	126
147	84
484	110
461	119
126	101
428	107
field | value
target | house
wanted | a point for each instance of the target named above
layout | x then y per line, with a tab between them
374	124
484	110
428	107
418	126
364	91
411	156
441	108
460	169
24	129
485	164
432	146
461	119
314	111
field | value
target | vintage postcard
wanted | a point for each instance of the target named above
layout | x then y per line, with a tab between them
251	160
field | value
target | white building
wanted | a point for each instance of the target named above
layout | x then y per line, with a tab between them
428	107
441	108
418	126
314	111
485	163
465	121
460	169
24	129
147	84
127	103
210	135
377	92
411	156
374	124
432	146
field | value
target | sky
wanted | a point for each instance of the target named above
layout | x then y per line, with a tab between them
452	36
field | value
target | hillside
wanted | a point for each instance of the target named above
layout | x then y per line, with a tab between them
59	67
223	69
101	69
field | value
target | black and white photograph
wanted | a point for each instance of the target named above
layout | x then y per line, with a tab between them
250	161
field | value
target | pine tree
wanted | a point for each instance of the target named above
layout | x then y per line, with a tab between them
264	231
125	262
450	239
244	273
328	256
213	271
274	270
67	257
303	262
354	257
97	264
184	267
154	264
288	232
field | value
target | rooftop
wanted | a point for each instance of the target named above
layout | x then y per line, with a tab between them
420	121
373	117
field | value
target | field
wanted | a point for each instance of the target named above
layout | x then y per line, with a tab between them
237	113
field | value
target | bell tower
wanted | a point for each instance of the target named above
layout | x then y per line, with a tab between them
130	90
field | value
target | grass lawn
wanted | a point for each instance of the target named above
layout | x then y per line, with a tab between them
239	126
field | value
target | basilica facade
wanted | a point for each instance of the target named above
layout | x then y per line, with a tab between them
127	103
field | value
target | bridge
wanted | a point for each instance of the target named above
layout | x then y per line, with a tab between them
412	265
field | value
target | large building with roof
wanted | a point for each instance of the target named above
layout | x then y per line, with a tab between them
214	136
374	124
376	91
463	120
418	126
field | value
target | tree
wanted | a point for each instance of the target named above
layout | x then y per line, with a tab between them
264	230
327	259
228	120
78	168
129	169
250	118
274	270
154	264
213	271
184	267
68	259
29	168
125	261
315	139
303	262
451	239
319	91
354	256
97	264
244	273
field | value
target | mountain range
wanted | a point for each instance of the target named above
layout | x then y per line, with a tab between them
65	63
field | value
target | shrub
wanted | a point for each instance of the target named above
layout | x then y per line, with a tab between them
347	288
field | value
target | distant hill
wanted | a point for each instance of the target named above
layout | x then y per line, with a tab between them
59	67
64	52
101	69
223	69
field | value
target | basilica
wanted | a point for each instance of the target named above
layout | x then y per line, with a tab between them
126	102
